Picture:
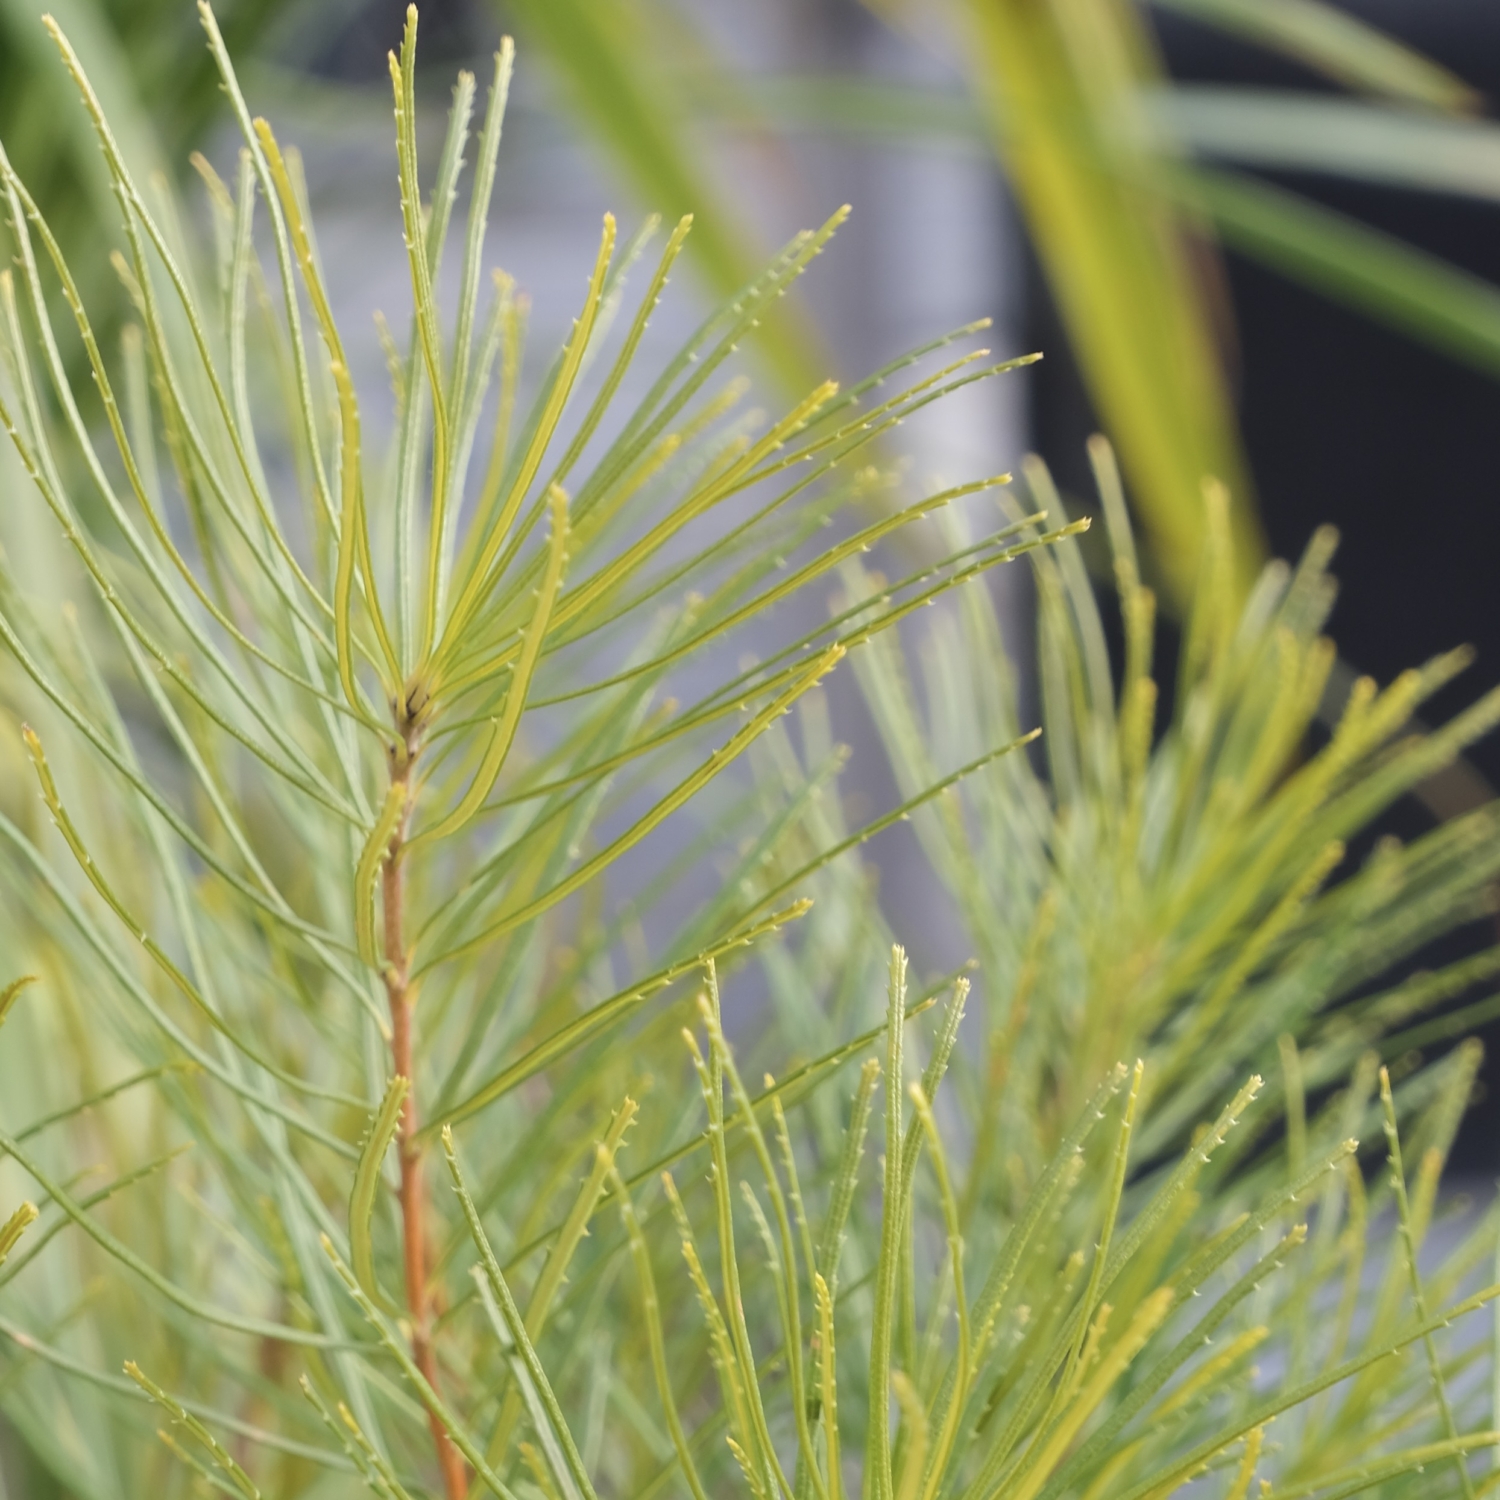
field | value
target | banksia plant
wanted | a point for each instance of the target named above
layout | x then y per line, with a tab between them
376	1082
332	651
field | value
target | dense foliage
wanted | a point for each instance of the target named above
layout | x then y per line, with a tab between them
376	1085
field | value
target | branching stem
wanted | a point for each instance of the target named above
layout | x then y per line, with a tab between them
400	994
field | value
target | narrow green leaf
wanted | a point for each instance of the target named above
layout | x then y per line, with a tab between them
553	1424
1061	95
1338	44
479	209
362	1453
717	338
1099	1444
352	538
870	622
841	1197
379	1134
268	899
353	527
550	1280
489	536
1038	1466
602	1016
789	1289
439	211
116	1248
185	1419
1409	1246
677	797
106	891
429	336
721	1347
39	464
942	1449
879	1475
1182	1177
761	1462
89	931
14	1227
374	855
1344	137
1361	1478
1394	283
826	562
306	412
651	1313
897	814
575	1226
11	993
138	465
624	360
503	733
397	1347
119	1385
1113	1194
129	1179
134	1080
137	216
716	489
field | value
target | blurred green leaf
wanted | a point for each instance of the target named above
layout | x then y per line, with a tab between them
53	148
1059	86
157	83
1342	137
1337	44
850	104
1284	128
1364	268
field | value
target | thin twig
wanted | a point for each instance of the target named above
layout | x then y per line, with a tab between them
396	973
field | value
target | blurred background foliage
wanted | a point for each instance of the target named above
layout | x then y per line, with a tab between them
155	79
1128	184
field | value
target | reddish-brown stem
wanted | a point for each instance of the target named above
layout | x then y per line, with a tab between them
413	1195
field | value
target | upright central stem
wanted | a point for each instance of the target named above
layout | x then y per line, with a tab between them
413	1197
